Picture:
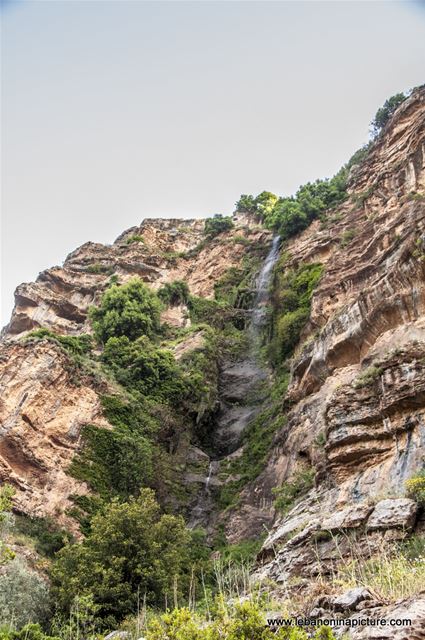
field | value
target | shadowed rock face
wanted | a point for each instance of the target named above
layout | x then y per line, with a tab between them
358	376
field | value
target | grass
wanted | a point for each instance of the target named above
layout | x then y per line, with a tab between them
389	576
347	237
135	238
98	268
367	377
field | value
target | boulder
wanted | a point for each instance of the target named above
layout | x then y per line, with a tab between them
351	517
350	599
389	513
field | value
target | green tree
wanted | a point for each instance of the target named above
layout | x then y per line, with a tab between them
132	548
217	224
144	367
130	310
246	204
173	293
384	114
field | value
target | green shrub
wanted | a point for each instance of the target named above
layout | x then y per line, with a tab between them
177	625
135	238
48	536
130	310
24	595
292	292
347	236
218	224
174	293
74	345
114	461
236	621
132	548
243	552
415	488
211	312
143	367
290	491
367	377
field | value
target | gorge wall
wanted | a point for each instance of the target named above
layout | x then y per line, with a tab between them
354	408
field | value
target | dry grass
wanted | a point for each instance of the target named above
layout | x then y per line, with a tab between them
389	575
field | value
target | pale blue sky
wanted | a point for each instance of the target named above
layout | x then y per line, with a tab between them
113	111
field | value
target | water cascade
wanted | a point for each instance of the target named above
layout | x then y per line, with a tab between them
239	385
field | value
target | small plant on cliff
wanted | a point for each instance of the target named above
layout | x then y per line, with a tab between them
347	237
135	238
141	366
98	268
290	491
383	115
367	377
130	310
217	224
415	488
174	293
74	345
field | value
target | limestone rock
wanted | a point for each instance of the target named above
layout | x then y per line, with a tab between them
400	512
350	599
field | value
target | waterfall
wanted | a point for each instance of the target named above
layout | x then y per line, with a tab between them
239	381
259	311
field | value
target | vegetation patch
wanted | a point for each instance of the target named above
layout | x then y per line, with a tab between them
367	377
292	490
415	488
48	536
73	345
174	293
347	237
217	224
130	310
99	268
135	238
292	292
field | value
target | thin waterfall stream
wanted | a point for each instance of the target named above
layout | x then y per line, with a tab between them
239	385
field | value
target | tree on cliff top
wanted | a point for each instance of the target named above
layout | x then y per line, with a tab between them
384	114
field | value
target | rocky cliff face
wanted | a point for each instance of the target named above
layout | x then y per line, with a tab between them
356	393
356	400
45	402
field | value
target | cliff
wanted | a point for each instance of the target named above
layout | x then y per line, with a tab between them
356	392
354	408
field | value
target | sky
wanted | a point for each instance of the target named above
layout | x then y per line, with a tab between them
114	111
